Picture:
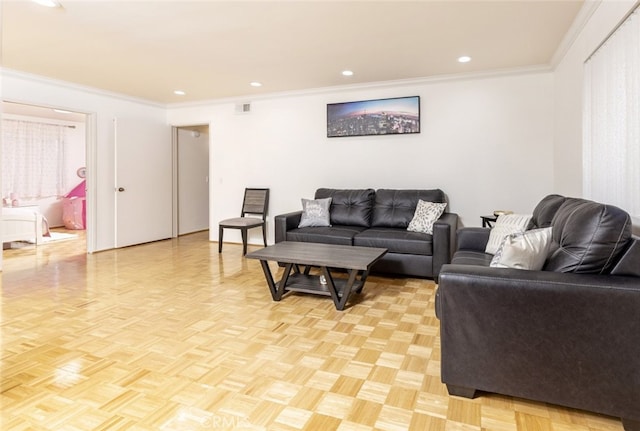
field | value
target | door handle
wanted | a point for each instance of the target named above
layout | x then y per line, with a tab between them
120	189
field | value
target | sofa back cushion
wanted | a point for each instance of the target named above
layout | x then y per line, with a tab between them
545	210
349	207
395	208
588	237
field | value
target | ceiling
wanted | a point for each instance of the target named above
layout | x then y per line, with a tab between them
214	49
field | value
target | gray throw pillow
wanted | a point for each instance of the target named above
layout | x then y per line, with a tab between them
315	212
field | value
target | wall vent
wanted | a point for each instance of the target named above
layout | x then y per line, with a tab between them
243	108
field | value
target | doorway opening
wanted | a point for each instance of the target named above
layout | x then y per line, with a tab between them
190	179
64	213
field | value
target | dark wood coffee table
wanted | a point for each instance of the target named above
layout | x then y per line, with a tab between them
355	260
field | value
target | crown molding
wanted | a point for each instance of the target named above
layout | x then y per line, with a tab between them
368	86
277	95
584	15
77	87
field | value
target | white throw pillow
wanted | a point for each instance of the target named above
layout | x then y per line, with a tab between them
425	216
505	225
315	212
526	250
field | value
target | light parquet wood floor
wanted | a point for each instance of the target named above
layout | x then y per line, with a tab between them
174	336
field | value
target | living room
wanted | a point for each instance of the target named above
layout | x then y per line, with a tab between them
485	120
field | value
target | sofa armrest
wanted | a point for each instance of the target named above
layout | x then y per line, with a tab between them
473	238
284	223
561	338
444	241
520	282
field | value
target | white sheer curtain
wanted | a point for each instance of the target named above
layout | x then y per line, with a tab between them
611	151
33	159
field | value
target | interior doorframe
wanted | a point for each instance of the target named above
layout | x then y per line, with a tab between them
91	130
174	181
175	174
91	163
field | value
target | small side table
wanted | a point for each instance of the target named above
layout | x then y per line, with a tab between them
488	220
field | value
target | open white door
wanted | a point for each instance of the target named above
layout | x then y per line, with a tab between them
142	181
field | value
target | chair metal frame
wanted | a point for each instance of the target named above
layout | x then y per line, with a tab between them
255	202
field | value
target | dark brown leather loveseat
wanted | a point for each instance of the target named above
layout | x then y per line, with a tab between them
568	334
379	218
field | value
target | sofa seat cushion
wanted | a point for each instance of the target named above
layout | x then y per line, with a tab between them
396	208
349	207
338	235
470	257
396	241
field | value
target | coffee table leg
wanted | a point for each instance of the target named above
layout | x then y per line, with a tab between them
353	273
331	287
277	290
283	281
363	278
269	277
340	300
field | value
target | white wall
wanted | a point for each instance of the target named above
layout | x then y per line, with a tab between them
102	107
568	82
487	142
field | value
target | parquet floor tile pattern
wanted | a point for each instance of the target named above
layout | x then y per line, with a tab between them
172	335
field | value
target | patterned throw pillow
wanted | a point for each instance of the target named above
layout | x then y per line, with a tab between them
526	250
425	216
505	225
315	212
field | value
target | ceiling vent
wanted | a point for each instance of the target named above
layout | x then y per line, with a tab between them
243	108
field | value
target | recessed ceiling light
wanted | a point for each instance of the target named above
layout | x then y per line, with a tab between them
347	72
179	92
464	59
47	3
256	84
62	111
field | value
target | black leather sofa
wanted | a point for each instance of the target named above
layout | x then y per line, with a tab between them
568	334
370	218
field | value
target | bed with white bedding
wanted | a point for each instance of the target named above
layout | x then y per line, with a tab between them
23	224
